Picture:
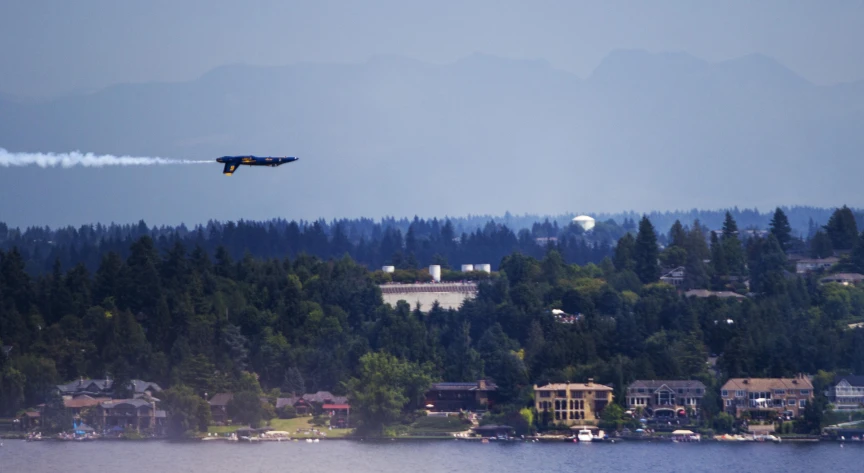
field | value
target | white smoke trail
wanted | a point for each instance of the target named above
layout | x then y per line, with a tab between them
90	160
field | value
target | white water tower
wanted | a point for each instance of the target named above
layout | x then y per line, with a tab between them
388	269
435	272
584	221
485	267
467	268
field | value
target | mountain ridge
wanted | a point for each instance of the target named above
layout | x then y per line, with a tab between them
663	130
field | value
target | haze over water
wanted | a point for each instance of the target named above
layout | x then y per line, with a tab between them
421	457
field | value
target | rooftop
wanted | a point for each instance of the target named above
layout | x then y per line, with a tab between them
843	277
572	386
672	384
323	397
463	386
134	403
707	293
767	384
335	406
84	401
221	399
468	288
852	380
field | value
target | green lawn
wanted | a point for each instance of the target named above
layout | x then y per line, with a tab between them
222	429
288	425
291	426
439	424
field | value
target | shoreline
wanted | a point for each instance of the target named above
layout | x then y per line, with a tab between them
533	439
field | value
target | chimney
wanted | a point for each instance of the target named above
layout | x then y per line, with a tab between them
481	384
590	381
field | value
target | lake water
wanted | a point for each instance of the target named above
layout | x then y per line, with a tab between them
418	457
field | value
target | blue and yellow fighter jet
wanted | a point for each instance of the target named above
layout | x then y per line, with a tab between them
233	162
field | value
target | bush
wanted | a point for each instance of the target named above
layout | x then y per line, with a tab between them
318	421
287	412
723	422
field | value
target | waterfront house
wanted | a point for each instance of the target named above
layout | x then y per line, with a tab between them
301	406
138	414
572	403
30	419
762	397
455	397
339	414
846	393
665	398
219	407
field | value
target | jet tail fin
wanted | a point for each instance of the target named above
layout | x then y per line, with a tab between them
229	169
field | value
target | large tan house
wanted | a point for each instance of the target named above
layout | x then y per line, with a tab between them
572	403
760	396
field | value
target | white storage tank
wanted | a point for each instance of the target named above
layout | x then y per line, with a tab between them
584	221
388	269
467	268
483	267
435	272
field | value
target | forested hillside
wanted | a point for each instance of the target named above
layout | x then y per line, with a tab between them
177	316
401	242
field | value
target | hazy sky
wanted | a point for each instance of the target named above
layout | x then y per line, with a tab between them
56	46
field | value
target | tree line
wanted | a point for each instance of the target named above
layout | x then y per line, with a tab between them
201	324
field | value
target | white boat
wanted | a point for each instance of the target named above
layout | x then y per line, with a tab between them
584	435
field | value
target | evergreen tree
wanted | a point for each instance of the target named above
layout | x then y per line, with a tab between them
820	245
767	266
625	253
857	256
646	252
732	249
781	229
677	235
842	229
294	382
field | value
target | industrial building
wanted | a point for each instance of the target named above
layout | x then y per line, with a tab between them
448	295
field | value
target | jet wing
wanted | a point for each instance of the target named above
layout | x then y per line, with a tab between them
229	169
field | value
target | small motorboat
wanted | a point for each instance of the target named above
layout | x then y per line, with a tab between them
584	435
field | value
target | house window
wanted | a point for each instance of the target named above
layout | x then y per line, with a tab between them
545	394
728	403
802	403
790	402
805	392
740	393
562	393
641	390
576	394
779	392
680	391
724	393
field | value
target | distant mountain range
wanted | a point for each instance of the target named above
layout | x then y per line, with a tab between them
484	134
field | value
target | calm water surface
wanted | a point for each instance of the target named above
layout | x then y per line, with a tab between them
416	457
